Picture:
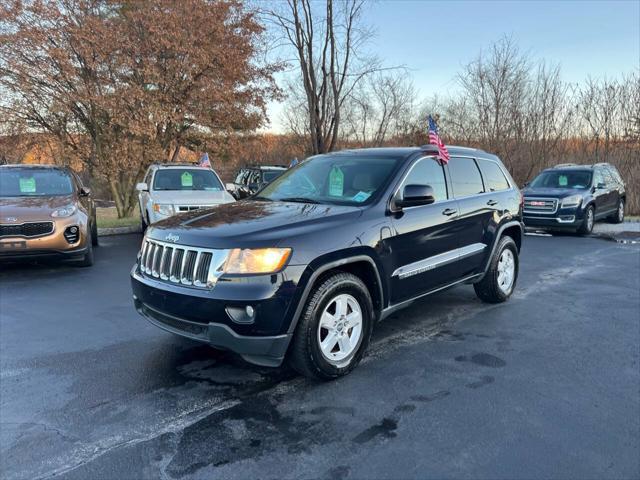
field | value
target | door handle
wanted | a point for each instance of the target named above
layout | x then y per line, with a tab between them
449	211
492	203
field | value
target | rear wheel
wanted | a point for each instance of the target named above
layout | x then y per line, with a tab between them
587	223
618	217
334	330
498	283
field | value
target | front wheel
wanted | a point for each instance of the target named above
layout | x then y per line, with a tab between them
587	223
94	232
87	259
334	330
498	283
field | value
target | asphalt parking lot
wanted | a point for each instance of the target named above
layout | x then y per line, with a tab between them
544	386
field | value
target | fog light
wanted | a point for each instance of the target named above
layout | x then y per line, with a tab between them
241	315
72	234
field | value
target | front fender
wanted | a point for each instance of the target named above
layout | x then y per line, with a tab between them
330	261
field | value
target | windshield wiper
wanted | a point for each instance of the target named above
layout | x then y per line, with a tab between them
298	200
260	197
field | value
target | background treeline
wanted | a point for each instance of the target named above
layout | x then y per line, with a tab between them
109	87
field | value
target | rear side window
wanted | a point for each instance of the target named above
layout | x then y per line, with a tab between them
465	177
615	174
427	171
494	179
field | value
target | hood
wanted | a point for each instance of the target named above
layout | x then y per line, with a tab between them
552	192
188	197
28	209
252	223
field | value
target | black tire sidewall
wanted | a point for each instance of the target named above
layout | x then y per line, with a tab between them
357	290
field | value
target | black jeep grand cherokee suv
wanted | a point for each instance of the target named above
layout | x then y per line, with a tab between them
307	266
572	197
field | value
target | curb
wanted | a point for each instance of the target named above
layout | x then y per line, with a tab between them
102	232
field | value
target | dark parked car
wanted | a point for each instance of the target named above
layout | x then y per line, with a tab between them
305	268
573	197
251	179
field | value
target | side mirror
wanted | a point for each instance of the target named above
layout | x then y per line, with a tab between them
416	195
525	184
85	192
142	187
601	186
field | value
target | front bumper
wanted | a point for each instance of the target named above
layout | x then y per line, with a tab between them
203	314
52	245
568	218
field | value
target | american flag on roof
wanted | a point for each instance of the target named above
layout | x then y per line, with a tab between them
434	139
204	161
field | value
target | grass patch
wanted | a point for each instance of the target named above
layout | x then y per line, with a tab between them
108	218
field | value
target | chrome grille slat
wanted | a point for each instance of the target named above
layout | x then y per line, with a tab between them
157	256
163	263
177	265
193	267
150	253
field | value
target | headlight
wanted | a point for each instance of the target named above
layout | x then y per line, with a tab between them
64	211
261	260
163	209
572	201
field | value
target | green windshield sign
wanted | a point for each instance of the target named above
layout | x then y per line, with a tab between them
336	182
28	185
186	179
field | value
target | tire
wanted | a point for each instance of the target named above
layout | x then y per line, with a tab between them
330	294
618	217
87	260
94	233
496	286
587	223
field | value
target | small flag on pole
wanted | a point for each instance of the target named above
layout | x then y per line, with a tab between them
204	161
434	139
294	162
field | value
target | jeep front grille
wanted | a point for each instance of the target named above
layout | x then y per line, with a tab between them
28	229
181	264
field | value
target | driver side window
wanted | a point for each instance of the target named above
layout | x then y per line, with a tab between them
428	171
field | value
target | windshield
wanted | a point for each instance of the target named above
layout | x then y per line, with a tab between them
34	182
332	179
271	175
579	179
186	179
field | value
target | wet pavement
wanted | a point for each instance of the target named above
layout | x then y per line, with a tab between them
546	385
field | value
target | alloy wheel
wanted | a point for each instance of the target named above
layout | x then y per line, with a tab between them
506	270
340	329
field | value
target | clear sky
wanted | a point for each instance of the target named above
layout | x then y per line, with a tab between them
434	39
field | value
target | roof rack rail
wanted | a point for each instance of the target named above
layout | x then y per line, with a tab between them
562	165
601	164
457	147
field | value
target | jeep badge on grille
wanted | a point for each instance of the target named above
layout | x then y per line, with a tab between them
172	238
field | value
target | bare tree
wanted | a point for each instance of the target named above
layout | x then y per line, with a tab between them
379	108
328	46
